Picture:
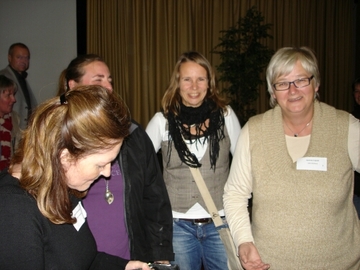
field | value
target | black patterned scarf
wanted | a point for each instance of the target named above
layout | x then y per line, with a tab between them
179	128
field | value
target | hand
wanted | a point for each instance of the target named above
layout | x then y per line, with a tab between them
250	258
137	265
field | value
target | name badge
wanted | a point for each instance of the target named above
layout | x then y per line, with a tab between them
312	164
80	214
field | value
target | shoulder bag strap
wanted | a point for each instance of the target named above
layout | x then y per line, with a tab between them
206	196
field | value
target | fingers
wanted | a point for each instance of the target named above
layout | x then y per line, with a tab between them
250	258
137	265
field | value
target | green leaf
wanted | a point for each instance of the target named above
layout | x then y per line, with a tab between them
243	58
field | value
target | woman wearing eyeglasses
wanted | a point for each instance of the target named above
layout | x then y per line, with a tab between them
297	161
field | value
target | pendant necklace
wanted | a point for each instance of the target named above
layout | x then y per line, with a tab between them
109	197
297	134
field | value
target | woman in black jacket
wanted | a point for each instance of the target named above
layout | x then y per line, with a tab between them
68	144
129	213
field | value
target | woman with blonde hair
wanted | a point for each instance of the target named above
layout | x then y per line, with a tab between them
196	128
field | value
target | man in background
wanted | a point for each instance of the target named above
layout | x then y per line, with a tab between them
19	60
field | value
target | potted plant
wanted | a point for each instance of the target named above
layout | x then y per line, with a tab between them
243	59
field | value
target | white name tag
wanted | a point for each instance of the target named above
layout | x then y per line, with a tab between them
80	214
312	164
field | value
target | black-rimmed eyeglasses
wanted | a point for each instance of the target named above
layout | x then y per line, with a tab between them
299	83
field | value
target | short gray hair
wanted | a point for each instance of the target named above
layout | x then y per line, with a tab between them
283	62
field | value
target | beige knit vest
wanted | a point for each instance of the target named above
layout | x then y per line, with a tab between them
304	219
181	186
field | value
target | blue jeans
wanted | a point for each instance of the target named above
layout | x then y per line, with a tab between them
198	244
357	204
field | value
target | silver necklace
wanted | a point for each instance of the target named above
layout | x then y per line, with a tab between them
297	134
109	197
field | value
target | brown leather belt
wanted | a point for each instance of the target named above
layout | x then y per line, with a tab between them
198	221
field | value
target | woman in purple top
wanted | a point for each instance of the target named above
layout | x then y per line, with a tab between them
129	213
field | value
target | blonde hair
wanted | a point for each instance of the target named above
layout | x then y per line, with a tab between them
283	62
171	100
84	121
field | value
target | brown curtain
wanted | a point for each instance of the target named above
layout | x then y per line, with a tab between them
142	39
